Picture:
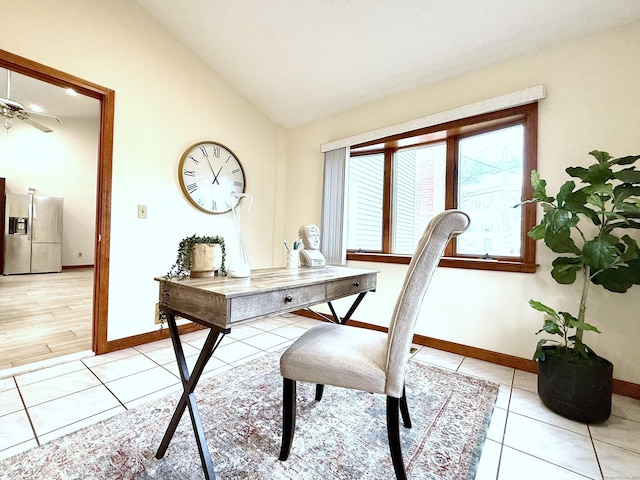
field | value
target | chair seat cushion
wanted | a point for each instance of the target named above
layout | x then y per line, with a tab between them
340	355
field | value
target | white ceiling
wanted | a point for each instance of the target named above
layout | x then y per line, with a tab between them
299	60
52	99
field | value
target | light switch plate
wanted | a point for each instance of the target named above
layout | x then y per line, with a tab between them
142	211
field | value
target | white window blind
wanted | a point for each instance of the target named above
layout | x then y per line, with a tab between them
332	231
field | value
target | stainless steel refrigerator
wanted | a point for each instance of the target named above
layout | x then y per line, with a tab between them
33	234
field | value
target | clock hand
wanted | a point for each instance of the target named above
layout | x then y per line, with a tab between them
215	175
206	155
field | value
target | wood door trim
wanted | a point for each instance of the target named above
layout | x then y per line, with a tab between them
102	240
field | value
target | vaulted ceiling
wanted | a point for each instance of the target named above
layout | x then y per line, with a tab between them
299	60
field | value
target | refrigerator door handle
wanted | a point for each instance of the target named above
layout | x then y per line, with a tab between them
32	217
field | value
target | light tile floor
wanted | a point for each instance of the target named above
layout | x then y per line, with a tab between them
525	440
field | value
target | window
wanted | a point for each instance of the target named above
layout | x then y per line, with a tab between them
480	165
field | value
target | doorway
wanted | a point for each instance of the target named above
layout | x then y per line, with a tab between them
106	98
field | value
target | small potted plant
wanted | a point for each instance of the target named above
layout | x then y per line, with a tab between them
589	227
199	257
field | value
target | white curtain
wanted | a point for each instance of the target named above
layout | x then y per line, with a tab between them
333	229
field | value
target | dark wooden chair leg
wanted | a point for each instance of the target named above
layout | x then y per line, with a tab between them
319	391
288	417
404	409
393	432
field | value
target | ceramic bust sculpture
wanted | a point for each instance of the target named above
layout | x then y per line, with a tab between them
310	256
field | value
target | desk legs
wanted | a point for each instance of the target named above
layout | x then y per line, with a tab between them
336	318
356	302
188	398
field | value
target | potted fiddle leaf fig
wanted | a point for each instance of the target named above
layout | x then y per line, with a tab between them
199	256
590	226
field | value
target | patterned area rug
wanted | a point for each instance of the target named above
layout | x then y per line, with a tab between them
341	437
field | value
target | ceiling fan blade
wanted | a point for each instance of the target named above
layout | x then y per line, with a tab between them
10	109
33	123
11	105
31	114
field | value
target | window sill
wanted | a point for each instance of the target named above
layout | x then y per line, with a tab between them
450	262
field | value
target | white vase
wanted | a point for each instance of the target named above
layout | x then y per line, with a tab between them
240	267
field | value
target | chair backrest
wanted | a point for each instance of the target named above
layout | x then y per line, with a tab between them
435	238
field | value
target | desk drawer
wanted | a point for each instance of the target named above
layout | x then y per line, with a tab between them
277	301
350	286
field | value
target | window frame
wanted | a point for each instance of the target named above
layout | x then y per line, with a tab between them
451	132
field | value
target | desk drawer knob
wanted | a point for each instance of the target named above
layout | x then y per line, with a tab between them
288	299
356	284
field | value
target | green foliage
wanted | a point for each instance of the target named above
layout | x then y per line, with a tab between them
583	225
561	324
182	267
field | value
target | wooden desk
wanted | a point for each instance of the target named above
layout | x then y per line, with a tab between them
219	302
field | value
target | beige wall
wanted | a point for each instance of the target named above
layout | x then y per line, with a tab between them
592	103
166	100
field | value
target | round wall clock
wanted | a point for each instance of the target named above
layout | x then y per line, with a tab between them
209	175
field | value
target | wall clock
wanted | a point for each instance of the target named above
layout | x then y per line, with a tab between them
209	175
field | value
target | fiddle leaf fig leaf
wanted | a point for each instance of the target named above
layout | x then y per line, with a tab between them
596	200
612	216
565	191
624	191
551	327
586	326
561	241
577	203
603	189
560	219
617	280
600	156
538	232
572	322
599	253
629	159
628	175
539	188
541	307
632	252
578	172
539	353
634	267
597	174
629	209
569	320
565	269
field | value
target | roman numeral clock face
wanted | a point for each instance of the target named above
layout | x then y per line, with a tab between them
209	175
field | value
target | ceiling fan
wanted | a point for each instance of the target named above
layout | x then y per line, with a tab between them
11	109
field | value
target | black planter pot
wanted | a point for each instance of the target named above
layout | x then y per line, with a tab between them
577	390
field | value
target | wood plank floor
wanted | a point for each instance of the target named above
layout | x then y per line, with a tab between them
44	316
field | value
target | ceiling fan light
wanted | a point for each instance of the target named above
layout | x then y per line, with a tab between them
7	123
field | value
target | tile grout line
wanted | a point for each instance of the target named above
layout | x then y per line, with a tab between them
595	452
108	389
506	419
26	411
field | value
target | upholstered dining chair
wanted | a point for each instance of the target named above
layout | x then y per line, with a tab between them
367	360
